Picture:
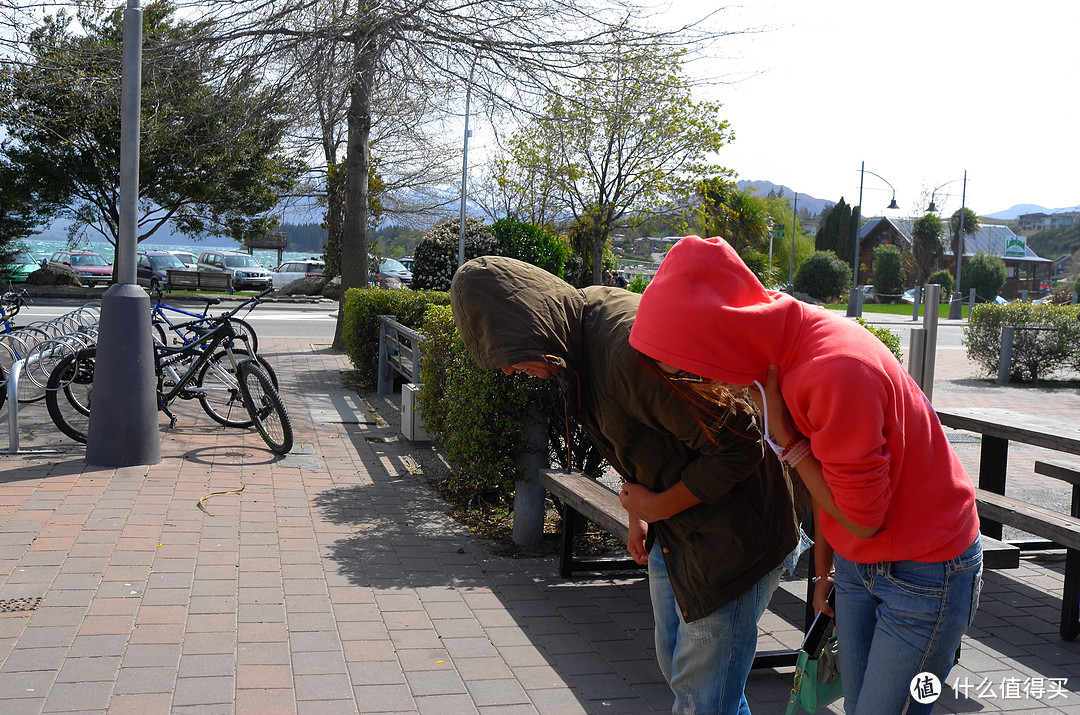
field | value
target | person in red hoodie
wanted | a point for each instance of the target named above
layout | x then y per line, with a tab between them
897	529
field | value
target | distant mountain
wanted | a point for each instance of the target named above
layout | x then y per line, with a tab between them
1019	209
812	205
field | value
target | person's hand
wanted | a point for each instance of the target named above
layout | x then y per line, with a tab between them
821	596
637	500
635	540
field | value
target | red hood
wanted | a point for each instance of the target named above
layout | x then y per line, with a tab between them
707	313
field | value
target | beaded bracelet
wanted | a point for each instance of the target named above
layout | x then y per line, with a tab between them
795	451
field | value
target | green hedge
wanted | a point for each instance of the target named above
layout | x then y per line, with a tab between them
1035	352
476	416
360	331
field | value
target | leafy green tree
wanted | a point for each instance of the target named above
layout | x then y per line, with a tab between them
837	232
741	217
528	243
20	211
824	276
944	279
211	156
626	139
928	246
888	280
972	226
985	273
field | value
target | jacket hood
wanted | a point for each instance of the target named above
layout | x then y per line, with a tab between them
707	313
508	311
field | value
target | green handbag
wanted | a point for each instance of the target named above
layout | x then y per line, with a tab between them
817	670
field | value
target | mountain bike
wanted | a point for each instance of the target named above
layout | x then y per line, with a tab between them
233	388
192	323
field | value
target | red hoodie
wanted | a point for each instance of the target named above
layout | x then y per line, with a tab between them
881	446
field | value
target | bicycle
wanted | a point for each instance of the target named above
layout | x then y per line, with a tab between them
207	369
189	330
18	343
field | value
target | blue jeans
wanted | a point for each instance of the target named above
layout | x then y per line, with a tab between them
897	619
706	662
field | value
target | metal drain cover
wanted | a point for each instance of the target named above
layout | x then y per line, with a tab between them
12	605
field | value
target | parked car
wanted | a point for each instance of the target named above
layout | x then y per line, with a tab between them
391	268
89	266
188	259
291	271
20	267
152	268
245	270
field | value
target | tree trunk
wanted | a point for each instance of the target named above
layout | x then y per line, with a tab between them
354	246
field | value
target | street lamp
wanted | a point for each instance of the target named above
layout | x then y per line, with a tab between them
957	302
854	309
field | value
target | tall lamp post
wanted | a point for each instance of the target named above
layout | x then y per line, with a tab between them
956	304
854	306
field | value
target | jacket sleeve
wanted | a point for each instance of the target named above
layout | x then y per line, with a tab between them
722	457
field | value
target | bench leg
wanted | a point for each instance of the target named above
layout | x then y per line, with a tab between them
1070	596
993	461
566	555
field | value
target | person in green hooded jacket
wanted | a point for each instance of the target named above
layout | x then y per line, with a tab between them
723	519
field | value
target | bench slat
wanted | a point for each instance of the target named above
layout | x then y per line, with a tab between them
590	498
1061	528
1059	470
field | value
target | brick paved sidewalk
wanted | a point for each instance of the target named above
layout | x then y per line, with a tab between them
331	581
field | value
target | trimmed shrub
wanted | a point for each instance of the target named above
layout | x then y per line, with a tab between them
1035	352
891	339
889	275
944	279
638	285
436	256
823	275
360	331
986	274
526	242
476	416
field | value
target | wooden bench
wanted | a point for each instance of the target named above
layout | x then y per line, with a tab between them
998	427
584	496
198	280
1058	531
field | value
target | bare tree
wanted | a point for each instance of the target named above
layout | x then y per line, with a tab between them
510	53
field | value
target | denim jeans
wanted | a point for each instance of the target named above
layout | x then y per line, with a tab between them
897	619
706	662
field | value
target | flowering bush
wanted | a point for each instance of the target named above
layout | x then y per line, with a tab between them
436	256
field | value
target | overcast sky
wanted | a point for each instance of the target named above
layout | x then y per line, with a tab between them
920	90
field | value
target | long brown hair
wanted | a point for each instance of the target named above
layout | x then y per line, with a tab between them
714	405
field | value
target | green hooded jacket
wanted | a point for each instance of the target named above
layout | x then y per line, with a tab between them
509	312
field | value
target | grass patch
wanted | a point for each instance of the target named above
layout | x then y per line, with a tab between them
899	309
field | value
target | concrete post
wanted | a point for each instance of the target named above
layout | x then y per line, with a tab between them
1005	356
528	528
930	324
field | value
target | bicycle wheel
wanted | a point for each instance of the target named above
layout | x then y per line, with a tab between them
68	393
264	404
242	354
246	333
219	392
3	387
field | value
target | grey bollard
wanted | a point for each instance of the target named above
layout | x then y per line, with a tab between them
917	355
915	305
528	529
930	323
1023	296
1005	356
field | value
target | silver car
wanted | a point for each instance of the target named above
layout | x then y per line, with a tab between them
245	270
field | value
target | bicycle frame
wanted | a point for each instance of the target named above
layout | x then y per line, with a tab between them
203	350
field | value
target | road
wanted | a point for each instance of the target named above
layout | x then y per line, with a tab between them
296	320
